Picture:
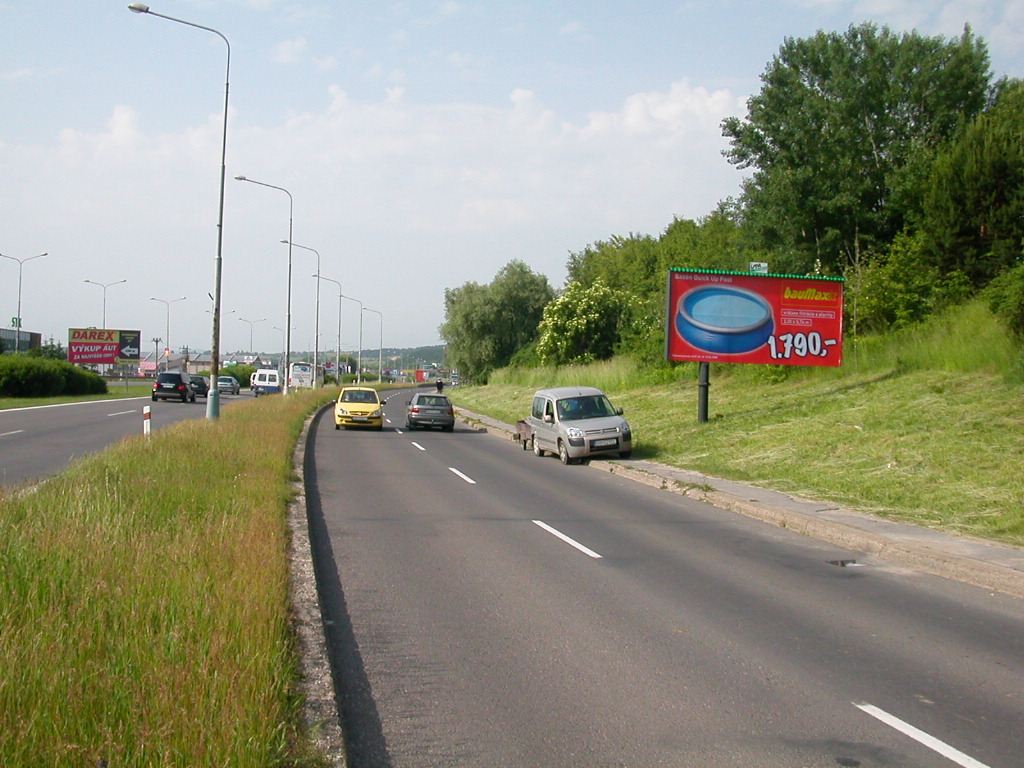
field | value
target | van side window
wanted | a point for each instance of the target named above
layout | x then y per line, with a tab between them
549	408
538	407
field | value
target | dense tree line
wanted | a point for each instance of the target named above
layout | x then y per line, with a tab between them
893	160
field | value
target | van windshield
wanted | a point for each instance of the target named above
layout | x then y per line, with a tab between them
584	407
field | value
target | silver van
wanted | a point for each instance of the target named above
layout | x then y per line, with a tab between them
576	423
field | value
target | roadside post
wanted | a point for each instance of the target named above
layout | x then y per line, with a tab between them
146	409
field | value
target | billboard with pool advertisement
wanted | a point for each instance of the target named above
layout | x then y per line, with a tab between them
738	317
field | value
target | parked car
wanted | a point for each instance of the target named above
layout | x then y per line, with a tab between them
577	423
228	384
201	385
358	407
174	385
428	410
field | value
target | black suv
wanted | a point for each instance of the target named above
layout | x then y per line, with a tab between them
174	384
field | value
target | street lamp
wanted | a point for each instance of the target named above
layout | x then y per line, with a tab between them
104	286
213	400
337	352
359	355
316	323
380	352
288	315
17	325
251	324
167	339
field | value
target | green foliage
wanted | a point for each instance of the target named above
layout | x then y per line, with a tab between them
896	289
24	376
485	325
51	350
974	210
838	119
1005	297
582	325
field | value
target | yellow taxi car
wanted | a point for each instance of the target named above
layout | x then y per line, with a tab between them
358	407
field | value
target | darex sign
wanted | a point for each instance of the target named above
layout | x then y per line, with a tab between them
737	317
97	346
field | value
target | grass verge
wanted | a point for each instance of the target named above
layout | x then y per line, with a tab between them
145	613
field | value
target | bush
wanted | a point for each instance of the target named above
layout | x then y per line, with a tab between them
1005	296
23	376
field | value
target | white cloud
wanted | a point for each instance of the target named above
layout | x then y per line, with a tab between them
290	51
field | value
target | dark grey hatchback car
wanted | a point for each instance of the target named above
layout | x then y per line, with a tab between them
429	410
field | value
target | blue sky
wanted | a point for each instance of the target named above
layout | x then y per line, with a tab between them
425	145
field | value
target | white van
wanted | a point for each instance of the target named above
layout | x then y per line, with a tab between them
577	423
266	381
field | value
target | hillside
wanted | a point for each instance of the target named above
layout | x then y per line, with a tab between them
926	426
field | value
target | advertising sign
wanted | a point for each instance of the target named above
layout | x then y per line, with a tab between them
97	346
736	317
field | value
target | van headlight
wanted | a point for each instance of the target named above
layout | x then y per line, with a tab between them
626	432
574	433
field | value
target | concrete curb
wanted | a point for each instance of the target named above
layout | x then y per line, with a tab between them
984	564
316	681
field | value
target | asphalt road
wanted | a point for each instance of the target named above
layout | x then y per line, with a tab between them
41	441
485	607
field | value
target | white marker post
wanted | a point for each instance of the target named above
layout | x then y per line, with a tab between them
146	419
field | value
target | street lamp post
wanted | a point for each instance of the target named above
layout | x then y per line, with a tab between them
213	400
359	355
316	321
17	326
288	313
104	286
167	339
337	351
251	324
380	352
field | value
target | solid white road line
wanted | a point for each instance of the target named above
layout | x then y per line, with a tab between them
931	742
567	540
120	413
419	446
15	432
468	479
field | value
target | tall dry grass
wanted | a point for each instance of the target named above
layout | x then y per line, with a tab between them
145	616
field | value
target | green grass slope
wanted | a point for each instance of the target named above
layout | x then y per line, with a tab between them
925	426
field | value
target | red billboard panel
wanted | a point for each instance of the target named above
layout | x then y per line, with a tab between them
98	346
737	317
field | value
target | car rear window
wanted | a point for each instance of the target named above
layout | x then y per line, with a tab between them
433	400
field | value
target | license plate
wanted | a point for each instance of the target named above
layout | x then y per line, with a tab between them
605	443
431	410
359	418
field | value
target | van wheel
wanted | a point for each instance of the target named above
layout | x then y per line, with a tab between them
563	453
537	450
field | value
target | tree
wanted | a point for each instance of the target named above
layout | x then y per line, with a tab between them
485	325
837	121
974	209
582	325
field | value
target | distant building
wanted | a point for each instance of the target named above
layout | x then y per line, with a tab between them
24	341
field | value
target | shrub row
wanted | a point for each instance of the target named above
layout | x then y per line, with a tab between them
22	376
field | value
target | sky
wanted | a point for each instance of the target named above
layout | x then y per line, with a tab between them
422	145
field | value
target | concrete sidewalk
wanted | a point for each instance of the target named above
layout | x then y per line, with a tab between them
992	566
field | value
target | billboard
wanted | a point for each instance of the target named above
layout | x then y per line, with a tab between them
98	346
738	317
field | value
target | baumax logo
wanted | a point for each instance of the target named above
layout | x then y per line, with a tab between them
810	294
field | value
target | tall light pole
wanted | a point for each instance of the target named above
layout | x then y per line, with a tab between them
213	400
359	355
17	325
104	286
288	313
337	351
380	352
316	322
167	339
251	324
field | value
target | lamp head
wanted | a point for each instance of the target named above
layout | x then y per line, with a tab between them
138	8
240	178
